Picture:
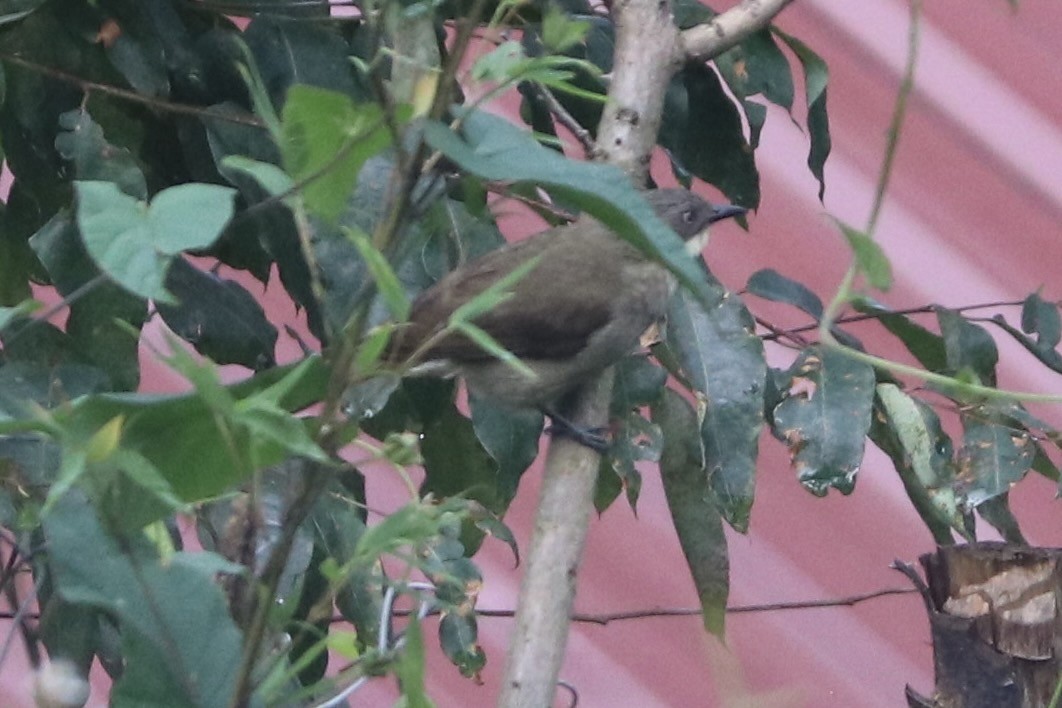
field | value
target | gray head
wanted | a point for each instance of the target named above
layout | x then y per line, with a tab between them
687	213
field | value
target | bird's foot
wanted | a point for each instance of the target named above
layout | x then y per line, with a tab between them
597	439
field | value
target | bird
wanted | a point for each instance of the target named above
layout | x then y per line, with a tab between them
582	307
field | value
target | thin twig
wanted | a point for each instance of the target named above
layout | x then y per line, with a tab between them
567	120
127	95
780	333
605	618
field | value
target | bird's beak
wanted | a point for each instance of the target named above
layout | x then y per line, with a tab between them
726	211
698	243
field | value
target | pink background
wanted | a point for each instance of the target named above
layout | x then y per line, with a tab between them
972	217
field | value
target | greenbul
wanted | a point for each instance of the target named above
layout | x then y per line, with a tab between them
581	308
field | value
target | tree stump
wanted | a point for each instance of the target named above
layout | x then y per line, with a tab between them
994	615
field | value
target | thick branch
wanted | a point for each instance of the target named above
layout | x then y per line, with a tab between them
536	649
649	51
647	56
728	29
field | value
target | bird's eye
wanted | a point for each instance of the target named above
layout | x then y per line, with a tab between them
687	216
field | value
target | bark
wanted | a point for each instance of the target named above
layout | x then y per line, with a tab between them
994	617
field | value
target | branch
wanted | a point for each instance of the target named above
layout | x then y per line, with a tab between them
131	96
604	618
547	593
586	140
648	54
729	29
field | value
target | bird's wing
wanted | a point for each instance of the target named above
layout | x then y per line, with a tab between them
536	323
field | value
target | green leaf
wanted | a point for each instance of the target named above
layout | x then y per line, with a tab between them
218	317
969	348
188	216
182	436
494	149
410	668
338	521
816	79
561	31
271	178
607	487
909	432
18	312
133	244
723	360
993	456
180	644
870	259
386	280
326	140
693	507
825	419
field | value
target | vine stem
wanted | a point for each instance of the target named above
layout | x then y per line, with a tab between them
843	294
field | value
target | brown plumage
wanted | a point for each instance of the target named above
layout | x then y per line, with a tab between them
581	309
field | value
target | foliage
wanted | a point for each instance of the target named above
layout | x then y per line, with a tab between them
165	157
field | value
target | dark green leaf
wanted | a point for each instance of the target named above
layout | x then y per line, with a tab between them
100	319
81	141
927	347
723	360
218	317
996	511
636	440
181	645
181	436
825	419
293	52
456	463
993	456
772	285
703	132
1041	318
510	437
970	349
14	10
1039	347
693	508
638	382
816	78
458	638
909	432
607	487
339	521
494	149
758	66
